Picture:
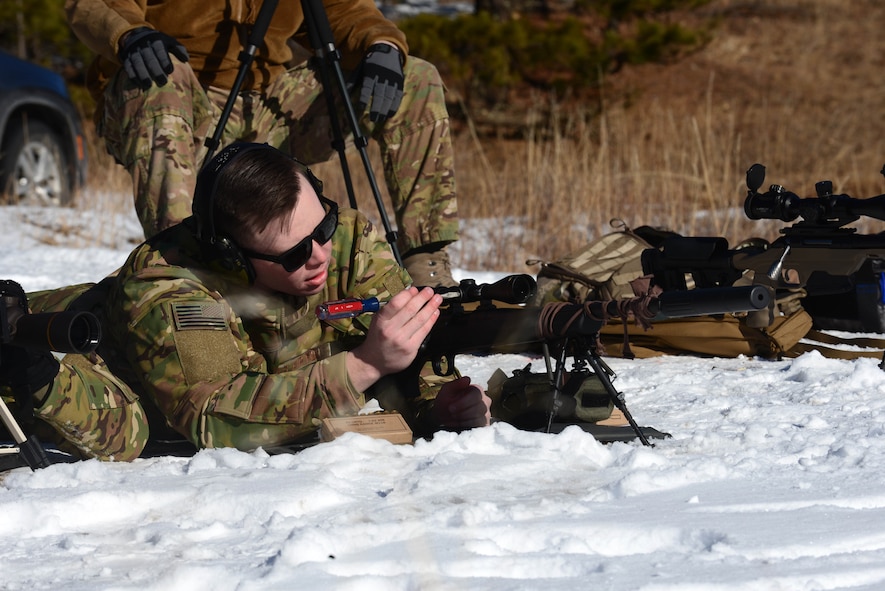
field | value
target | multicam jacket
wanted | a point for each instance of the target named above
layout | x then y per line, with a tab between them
229	365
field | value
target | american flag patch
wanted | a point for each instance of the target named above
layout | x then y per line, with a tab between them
199	316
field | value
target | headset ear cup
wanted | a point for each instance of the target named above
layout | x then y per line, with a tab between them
226	256
221	253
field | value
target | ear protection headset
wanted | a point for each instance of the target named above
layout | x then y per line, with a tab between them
221	252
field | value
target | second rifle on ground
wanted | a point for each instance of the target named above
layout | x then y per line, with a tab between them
839	272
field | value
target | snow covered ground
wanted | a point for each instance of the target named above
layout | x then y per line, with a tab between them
774	479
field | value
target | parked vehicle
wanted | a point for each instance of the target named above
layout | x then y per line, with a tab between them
43	158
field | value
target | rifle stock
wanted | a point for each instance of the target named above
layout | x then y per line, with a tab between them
819	263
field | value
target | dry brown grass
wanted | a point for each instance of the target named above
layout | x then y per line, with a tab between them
109	186
794	84
791	84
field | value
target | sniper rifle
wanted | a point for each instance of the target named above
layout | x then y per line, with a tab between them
839	274
498	322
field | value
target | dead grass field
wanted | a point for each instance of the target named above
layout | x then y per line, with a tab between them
796	85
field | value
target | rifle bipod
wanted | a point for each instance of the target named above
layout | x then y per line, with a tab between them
584	353
29	448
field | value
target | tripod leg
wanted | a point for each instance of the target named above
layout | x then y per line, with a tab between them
320	35
247	56
29	447
337	133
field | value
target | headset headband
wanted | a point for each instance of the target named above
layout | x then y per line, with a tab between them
203	206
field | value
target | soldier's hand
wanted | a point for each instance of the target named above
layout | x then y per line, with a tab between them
461	405
382	85
394	337
144	53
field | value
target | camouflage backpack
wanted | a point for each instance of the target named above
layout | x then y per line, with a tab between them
603	270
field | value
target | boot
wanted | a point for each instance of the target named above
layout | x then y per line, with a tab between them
431	268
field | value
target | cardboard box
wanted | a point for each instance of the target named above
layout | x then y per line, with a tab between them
383	425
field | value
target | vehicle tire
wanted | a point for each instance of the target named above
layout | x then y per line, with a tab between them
35	166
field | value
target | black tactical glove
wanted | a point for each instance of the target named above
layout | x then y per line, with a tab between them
382	86
145	56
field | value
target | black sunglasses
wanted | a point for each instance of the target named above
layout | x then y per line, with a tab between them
297	256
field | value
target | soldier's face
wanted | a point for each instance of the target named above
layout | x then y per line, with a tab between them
304	219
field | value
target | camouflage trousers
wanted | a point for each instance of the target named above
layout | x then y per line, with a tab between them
88	411
159	135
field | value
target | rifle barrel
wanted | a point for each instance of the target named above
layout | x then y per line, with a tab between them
712	301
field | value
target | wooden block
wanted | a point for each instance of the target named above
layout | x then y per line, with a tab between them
390	426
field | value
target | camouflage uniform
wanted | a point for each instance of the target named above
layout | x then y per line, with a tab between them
227	365
87	410
158	134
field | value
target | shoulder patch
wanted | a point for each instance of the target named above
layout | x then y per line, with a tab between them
199	316
393	283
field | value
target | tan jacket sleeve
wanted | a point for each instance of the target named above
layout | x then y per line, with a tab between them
358	24
99	24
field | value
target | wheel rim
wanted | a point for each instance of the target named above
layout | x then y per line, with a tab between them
38	178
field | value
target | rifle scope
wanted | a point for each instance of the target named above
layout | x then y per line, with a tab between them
826	209
779	204
65	332
513	289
